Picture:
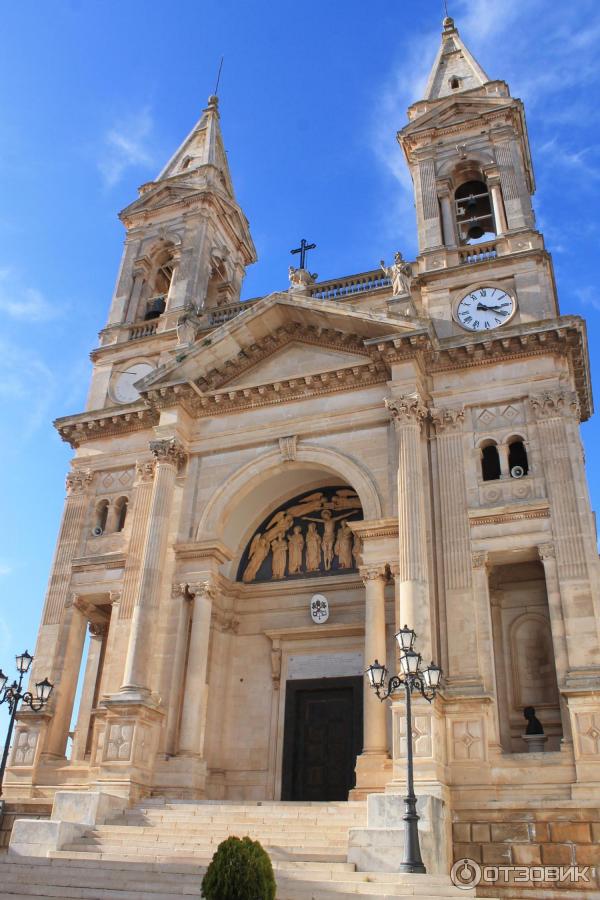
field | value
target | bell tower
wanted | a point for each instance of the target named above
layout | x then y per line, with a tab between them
467	149
188	241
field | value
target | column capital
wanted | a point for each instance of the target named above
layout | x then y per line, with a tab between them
448	420
372	573
201	589
479	559
169	451
144	470
78	480
555	404
406	409
97	629
546	551
115	597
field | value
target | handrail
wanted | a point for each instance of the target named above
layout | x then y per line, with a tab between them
352	284
474	253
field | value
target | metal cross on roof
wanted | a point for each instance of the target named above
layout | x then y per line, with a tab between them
302	250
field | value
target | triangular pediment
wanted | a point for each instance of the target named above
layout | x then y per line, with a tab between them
159	194
455	111
280	338
296	360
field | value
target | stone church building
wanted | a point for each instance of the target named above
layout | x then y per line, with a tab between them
263	492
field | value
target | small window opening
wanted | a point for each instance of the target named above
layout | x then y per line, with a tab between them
474	216
490	463
121	506
454	83
186	162
518	464
101	516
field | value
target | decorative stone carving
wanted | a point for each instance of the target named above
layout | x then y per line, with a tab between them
144	470
288	447
588	733
168	451
448	419
319	609
467	740
115	597
119	741
406	409
552	404
296	543
276	667
200	589
421	732
97	629
546	551
23	753
371	573
78	480
479	559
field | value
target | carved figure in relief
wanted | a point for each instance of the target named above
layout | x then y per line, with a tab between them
279	549
295	548
356	548
259	550
343	546
328	521
278	526
313	549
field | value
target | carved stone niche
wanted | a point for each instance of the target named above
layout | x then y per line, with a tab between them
306	537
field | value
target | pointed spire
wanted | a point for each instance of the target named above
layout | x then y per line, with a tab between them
454	69
202	147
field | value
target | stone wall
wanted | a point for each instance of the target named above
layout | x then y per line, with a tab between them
554	835
21	809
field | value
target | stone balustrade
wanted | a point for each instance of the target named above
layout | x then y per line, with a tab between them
337	289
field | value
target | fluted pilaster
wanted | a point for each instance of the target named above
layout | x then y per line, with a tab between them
139	524
69	541
375	731
552	410
169	455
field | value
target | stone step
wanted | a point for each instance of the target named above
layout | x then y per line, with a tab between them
197	855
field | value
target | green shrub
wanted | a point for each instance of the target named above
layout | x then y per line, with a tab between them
239	870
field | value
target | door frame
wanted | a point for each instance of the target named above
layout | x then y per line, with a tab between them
292	689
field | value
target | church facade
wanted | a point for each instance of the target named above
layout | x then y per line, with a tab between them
263	493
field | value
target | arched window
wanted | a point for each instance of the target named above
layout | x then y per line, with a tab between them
518	464
159	283
490	462
474	217
101	516
121	509
454	83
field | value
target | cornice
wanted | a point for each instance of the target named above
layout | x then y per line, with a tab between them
209	549
380	528
315	631
103	561
76	430
505	514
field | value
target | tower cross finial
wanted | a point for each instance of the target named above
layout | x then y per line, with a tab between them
302	250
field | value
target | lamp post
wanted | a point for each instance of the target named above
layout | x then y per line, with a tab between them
412	678
13	695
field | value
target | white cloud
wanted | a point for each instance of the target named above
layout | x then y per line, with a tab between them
126	145
24	303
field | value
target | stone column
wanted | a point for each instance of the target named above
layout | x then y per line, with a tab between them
169	457
498	206
193	714
90	681
66	685
503	457
69	541
428	211
408	413
182	593
448	226
547	556
463	663
375	729
485	638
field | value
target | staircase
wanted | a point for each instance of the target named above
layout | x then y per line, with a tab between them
159	850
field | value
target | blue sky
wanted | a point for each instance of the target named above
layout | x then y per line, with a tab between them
95	96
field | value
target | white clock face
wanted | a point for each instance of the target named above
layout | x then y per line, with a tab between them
123	388
485	308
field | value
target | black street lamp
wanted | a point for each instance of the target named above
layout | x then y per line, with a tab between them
13	695
426	682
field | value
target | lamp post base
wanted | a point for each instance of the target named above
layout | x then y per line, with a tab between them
412	861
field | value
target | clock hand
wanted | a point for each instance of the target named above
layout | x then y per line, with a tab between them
482	306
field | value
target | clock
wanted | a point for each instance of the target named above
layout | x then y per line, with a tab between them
123	387
485	308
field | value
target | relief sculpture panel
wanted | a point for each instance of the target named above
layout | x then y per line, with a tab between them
307	536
